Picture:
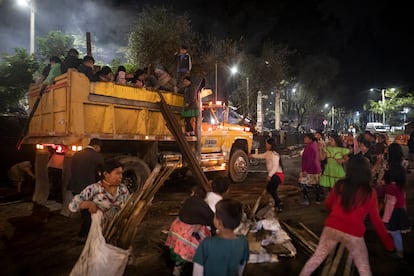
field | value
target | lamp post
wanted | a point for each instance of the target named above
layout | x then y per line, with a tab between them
216	86
382	102
332	115
383	105
248	97
31	5
234	70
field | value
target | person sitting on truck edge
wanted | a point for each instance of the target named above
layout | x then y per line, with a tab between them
190	111
164	80
105	75
54	70
144	79
86	67
120	76
84	172
72	60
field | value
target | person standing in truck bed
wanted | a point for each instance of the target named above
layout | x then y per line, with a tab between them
190	110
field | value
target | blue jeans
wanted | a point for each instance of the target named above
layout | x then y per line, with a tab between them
315	187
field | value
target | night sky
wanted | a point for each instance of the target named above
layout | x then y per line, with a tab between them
372	40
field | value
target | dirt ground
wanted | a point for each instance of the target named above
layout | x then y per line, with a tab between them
42	244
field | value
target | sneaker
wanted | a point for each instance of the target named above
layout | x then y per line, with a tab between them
317	202
305	203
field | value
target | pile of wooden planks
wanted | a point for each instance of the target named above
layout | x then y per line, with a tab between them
122	228
338	261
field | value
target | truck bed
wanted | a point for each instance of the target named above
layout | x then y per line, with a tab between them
75	109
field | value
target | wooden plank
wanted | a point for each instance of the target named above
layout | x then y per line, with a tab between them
309	231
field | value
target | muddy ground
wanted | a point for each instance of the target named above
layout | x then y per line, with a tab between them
43	244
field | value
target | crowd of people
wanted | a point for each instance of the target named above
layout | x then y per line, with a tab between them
152	78
156	78
358	177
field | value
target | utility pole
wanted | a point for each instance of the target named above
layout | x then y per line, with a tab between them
32	27
248	97
383	105
259	124
277	109
216	86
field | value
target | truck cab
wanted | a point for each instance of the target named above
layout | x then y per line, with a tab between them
225	141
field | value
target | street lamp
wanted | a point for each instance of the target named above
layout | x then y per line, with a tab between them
31	5
383	102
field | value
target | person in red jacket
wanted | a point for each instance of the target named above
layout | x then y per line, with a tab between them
350	201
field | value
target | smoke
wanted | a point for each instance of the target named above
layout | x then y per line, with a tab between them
109	25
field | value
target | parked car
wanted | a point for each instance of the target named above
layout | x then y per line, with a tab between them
375	127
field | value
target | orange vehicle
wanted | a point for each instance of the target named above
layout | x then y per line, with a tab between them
131	126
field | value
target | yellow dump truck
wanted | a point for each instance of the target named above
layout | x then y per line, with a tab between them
131	126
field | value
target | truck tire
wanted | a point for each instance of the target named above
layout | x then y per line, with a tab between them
135	174
238	166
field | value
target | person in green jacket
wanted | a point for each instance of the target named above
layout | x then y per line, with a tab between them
54	70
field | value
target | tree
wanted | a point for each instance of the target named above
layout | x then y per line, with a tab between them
55	43
211	52
395	102
16	73
156	36
315	77
260	72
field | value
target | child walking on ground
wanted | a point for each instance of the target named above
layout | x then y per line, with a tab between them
395	214
226	253
220	186
351	199
275	175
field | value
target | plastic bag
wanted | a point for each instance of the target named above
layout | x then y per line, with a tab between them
98	257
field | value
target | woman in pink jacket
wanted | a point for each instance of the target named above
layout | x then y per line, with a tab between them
311	169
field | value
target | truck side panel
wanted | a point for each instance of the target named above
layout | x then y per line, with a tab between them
74	109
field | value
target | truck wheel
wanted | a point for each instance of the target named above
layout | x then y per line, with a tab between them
238	166
135	174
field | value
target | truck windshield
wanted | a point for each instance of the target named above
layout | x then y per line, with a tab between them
218	115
